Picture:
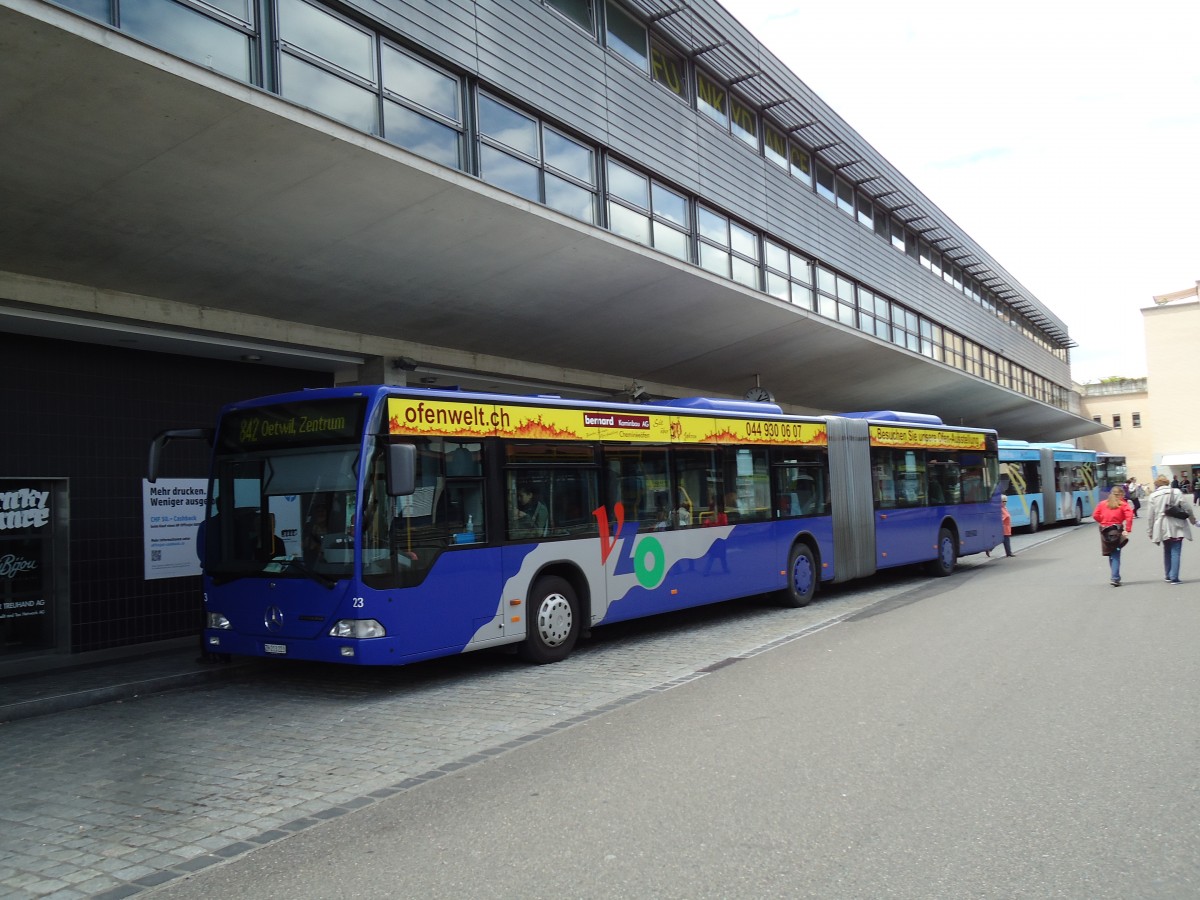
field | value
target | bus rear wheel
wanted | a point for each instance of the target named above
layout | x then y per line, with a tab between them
1078	513
802	577
947	554
552	626
1033	520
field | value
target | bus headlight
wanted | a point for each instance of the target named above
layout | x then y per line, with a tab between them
216	620
357	628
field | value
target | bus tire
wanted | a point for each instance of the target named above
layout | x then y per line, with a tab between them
552	626
1078	513
802	577
947	554
1033	519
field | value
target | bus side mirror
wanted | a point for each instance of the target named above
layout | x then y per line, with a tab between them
401	469
165	437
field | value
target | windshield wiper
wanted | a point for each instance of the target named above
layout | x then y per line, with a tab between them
296	562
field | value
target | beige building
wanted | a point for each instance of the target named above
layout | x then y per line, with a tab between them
1172	332
1155	430
1121	405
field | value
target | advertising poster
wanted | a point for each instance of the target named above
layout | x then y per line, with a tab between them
32	537
172	510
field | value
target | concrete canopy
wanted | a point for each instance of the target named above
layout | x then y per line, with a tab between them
137	172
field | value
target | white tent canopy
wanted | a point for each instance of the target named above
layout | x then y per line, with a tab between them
1180	459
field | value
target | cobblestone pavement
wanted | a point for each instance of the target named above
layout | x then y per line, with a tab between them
114	799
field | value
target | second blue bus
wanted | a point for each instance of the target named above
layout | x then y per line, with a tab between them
1048	484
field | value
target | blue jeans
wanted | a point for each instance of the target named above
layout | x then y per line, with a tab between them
1172	550
1114	563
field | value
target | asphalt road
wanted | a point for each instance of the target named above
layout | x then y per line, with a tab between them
1021	730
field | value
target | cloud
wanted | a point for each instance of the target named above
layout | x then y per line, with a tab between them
973	158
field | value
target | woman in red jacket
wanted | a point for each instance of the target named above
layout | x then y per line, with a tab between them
1005	527
1115	518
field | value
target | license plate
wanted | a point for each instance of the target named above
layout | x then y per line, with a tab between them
275	648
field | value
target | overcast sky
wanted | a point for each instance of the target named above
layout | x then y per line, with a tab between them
1063	136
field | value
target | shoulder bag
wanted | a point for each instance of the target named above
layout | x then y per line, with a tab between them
1175	509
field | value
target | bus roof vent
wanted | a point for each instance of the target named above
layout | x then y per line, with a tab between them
713	404
891	415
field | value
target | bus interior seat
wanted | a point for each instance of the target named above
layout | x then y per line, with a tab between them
806	495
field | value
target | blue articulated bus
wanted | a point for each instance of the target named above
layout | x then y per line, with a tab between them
382	525
1048	484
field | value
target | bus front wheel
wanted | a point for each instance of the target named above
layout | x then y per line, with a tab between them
552	625
802	576
947	554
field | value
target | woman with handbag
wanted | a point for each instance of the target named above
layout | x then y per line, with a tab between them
1170	512
1115	517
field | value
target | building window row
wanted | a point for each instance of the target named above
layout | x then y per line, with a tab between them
1136	420
634	42
523	155
337	67
643	209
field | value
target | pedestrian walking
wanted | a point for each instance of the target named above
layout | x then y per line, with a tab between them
1115	517
1134	494
1005	526
1171	515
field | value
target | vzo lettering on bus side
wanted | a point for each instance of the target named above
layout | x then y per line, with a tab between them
645	558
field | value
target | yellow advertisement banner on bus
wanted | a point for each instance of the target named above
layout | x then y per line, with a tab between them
407	415
926	438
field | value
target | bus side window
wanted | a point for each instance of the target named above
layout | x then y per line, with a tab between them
944	481
573	497
883	487
464	510
463	461
698	488
747	492
463	513
801	482
975	473
910	483
527	516
637	476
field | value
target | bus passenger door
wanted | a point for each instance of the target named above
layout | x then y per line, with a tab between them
902	532
1066	492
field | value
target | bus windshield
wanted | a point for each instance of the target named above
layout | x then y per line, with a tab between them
285	513
285	477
